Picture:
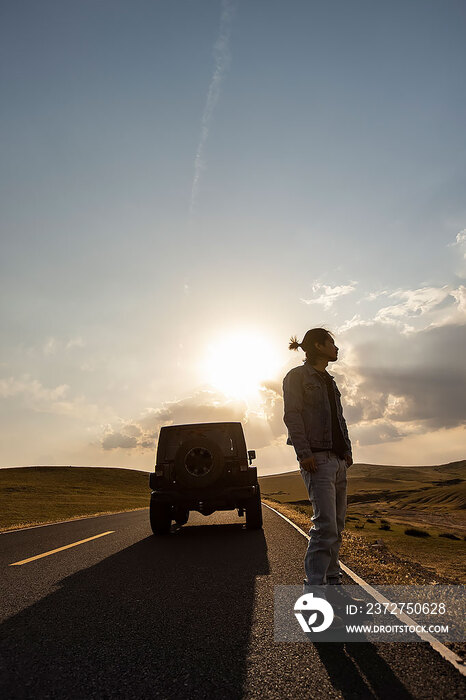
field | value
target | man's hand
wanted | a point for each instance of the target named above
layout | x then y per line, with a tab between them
348	459
309	464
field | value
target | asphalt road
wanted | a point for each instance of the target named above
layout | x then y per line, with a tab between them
129	615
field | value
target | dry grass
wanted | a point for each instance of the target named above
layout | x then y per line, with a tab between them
37	495
372	558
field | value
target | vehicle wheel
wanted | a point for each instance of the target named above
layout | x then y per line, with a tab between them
181	516
254	512
198	462
160	518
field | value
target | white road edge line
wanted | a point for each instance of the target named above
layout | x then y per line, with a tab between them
440	648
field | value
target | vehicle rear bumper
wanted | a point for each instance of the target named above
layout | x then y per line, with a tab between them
226	499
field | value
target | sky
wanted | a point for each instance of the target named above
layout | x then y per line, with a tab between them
185	184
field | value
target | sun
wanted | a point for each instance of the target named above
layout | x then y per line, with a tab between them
237	364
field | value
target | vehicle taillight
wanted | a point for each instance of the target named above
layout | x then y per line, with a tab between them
159	468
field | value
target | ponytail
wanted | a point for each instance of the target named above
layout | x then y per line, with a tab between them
294	345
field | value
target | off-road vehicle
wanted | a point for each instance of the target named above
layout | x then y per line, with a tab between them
203	467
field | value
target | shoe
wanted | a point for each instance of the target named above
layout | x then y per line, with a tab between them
337	622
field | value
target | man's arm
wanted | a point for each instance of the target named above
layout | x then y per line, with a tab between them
293	402
348	455
345	433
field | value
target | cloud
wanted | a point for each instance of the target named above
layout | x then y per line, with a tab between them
416	310
31	389
374	433
415	302
356	320
113	441
401	384
263	426
133	430
460	240
455	314
394	384
329	294
459	296
460	245
373	295
141	434
53	346
77	342
42	399
221	51
50	346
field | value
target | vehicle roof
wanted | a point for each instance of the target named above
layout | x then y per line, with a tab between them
201	425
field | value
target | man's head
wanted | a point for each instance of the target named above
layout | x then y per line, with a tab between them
318	344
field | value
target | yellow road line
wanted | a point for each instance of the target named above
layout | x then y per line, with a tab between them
60	549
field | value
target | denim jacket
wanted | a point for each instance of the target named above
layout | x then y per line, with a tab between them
308	414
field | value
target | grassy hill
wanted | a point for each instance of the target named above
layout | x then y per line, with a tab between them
48	494
369	481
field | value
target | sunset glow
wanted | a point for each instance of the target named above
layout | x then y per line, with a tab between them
237	364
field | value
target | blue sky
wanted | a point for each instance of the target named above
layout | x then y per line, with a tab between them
180	175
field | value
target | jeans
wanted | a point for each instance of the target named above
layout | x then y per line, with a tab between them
327	492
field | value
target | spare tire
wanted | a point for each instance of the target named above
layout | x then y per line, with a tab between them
199	462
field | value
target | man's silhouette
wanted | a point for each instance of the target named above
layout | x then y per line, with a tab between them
318	432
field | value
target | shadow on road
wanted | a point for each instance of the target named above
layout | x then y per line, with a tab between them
357	671
167	617
172	617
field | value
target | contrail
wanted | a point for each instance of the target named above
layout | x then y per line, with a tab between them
221	53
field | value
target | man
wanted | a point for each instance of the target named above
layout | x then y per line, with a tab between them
317	430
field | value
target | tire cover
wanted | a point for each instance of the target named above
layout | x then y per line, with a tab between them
198	454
